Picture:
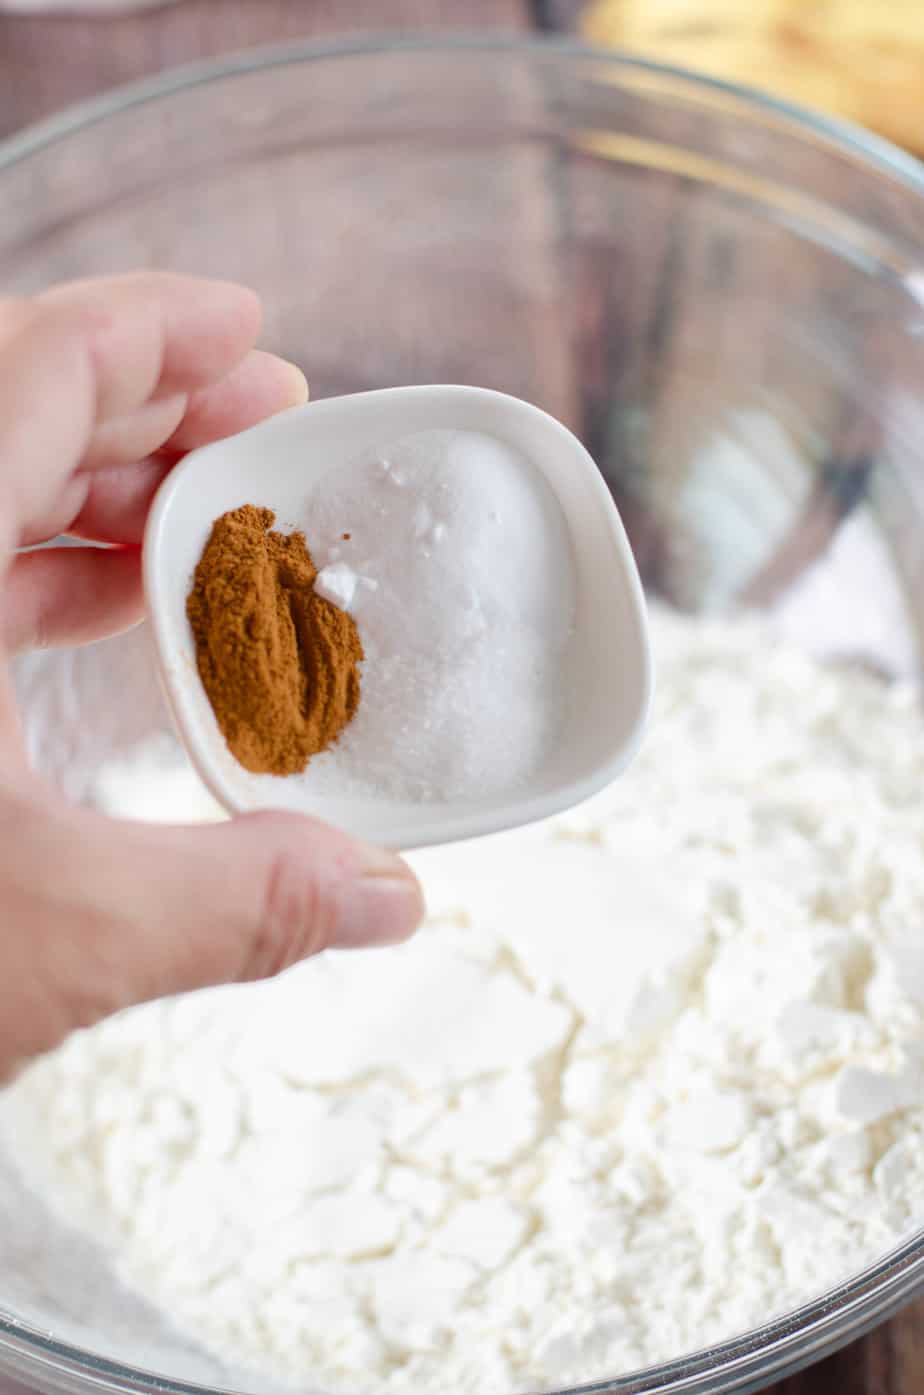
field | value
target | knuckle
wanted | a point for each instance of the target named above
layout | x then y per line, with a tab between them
298	915
90	323
77	318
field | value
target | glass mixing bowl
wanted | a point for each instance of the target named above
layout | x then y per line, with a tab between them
723	296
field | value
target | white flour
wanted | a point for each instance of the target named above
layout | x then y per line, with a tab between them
653	1073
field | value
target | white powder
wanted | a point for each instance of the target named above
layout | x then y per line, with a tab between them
653	1073
452	554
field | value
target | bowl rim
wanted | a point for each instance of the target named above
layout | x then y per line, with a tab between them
744	1363
843	135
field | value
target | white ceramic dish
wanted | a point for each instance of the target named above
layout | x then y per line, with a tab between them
272	465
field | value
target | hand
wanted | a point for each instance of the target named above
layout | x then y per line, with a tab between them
103	384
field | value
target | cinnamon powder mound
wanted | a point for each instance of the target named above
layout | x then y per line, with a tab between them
279	663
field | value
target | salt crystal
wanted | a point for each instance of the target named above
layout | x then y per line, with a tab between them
464	684
337	584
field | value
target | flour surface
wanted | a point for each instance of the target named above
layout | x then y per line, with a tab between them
652	1073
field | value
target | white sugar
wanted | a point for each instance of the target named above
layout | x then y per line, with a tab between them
452	554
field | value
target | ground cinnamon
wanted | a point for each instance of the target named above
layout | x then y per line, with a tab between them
279	663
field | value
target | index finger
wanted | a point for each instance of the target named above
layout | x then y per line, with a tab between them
94	351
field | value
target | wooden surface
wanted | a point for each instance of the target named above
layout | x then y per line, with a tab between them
46	63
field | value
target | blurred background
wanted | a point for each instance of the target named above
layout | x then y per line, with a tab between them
860	59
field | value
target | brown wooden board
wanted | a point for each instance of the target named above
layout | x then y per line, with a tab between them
48	62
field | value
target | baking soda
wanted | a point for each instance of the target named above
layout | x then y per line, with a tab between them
452	554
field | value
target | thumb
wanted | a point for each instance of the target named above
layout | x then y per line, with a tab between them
106	914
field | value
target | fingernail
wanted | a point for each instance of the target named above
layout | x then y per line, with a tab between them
382	906
374	861
300	391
